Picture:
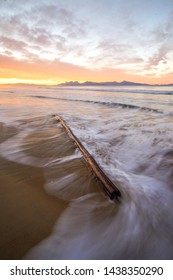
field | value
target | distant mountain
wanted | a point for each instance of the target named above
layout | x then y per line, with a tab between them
88	84
99	84
70	84
124	83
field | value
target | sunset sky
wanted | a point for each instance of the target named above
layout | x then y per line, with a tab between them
53	41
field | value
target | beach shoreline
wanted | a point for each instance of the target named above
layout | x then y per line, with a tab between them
40	168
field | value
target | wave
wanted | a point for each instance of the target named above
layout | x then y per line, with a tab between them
109	104
126	90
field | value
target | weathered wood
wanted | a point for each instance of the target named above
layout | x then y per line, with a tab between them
111	190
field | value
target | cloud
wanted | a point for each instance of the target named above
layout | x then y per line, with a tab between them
95	36
159	57
55	71
55	32
40	68
54	15
161	40
12	44
44	31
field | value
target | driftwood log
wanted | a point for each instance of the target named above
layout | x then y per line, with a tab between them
110	189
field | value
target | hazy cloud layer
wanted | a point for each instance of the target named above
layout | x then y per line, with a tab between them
128	36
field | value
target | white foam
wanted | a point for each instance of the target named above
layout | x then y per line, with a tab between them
93	227
134	147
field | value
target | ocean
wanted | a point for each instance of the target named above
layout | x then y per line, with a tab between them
128	130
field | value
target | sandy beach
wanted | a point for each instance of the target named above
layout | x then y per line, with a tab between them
51	208
36	155
27	212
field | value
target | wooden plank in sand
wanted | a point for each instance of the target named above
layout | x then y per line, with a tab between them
111	190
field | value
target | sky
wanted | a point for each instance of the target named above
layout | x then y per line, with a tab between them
54	41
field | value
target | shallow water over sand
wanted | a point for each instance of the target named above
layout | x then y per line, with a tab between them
129	132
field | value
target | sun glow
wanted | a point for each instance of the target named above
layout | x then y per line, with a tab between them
29	81
69	42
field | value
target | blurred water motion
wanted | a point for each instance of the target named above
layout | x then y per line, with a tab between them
134	147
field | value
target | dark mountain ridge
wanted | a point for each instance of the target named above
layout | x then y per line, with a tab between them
114	83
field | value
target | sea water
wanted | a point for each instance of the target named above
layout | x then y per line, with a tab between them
129	132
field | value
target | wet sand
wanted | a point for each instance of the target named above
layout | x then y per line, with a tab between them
27	212
40	169
40	172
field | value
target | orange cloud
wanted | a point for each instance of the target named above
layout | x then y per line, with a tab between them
46	72
53	42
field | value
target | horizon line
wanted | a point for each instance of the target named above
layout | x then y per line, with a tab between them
82	83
